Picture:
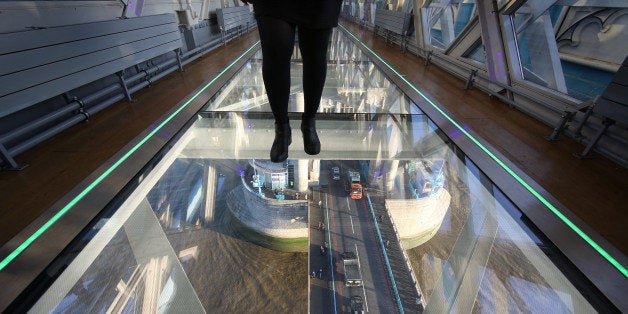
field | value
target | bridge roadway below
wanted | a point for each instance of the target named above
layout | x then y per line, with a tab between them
339	224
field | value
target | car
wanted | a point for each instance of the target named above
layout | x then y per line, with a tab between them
357	304
335	173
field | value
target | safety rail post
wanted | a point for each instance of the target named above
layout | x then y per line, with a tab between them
125	89
177	52
471	79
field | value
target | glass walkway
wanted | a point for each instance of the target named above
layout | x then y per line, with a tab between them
213	226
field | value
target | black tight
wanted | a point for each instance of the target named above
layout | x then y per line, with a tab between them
277	38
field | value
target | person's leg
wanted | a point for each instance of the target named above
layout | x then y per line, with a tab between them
313	44
277	39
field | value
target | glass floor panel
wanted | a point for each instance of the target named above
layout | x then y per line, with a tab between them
390	217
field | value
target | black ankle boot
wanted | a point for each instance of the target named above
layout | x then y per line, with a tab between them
311	144
283	139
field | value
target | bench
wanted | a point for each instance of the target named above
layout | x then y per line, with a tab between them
37	65
234	19
393	22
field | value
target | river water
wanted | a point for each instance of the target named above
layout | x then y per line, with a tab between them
478	252
233	275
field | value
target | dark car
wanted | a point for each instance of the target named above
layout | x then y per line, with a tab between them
357	304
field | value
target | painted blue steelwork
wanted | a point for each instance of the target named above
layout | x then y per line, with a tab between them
381	244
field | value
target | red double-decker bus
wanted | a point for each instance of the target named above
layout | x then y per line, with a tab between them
355	187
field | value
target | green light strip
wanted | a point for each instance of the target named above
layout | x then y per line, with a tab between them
80	196
560	215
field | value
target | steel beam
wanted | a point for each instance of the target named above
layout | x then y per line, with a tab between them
496	64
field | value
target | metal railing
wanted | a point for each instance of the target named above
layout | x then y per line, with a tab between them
87	106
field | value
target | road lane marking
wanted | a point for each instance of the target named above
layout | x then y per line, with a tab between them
352	230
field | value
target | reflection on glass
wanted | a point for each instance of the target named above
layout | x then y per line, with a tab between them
176	198
216	227
128	266
485	252
572	50
240	224
447	19
477	54
363	11
353	85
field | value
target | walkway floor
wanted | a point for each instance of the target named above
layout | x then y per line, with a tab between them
594	189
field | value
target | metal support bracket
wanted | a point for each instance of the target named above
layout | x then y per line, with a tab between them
428	57
585	154
403	43
222	33
569	115
125	89
471	79
146	76
81	109
177	52
587	114
10	163
566	117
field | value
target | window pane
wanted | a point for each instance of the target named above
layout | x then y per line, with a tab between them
447	20
573	50
477	54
